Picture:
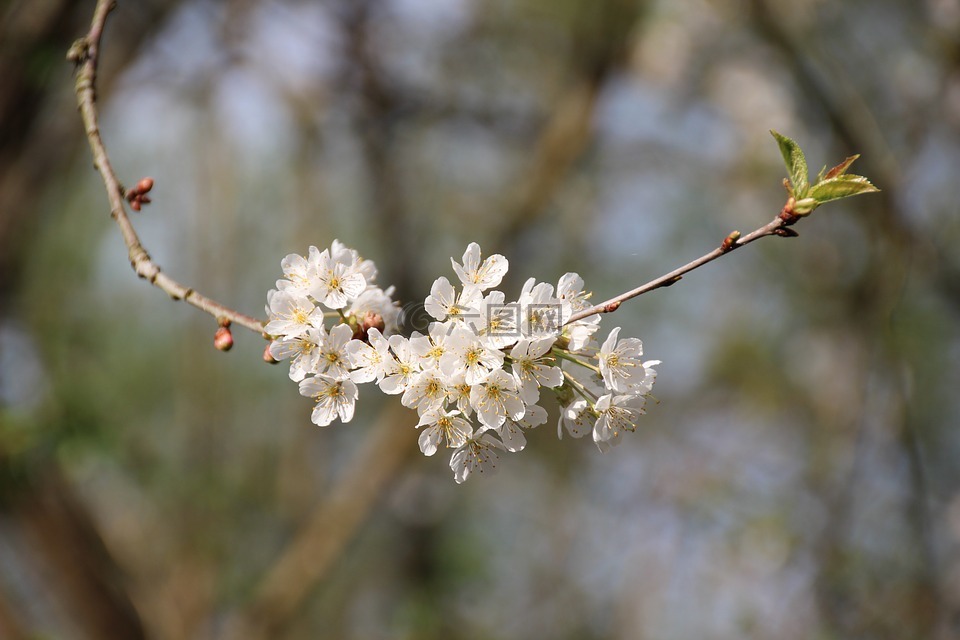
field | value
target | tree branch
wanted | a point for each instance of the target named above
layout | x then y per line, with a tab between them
776	227
85	54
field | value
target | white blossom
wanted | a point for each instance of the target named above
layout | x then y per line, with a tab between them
496	399
578	418
620	363
497	321
299	273
337	282
615	415
645	385
444	302
534	417
407	367
372	361
334	360
477	455
466	354
570	288
458	392
334	398
579	333
432	347
304	351
426	391
291	315
541	313
482	275
442	426
341	253
534	368
511	431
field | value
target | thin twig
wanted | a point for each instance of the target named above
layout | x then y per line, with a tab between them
85	53
776	227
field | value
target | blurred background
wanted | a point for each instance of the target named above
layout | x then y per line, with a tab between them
797	479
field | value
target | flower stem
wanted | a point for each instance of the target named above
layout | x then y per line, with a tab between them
776	227
579	388
566	356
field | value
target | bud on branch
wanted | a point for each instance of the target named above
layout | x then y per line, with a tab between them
137	196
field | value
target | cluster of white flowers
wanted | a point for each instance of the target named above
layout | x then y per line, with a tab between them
476	377
333	283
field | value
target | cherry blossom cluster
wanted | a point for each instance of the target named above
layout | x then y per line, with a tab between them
477	376
334	283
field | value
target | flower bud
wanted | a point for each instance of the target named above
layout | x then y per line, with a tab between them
372	320
730	242
223	339
145	185
268	357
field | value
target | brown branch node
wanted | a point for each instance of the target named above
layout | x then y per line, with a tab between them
79	51
787	214
730	242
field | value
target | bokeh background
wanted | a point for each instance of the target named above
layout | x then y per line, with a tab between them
798	477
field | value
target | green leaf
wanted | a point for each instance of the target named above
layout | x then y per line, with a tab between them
842	186
840	169
796	164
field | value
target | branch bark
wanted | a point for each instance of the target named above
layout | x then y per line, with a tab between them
85	52
776	227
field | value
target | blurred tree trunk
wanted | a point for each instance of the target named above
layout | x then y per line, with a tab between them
53	536
56	542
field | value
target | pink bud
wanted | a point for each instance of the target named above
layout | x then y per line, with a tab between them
268	357
144	185
372	321
223	339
